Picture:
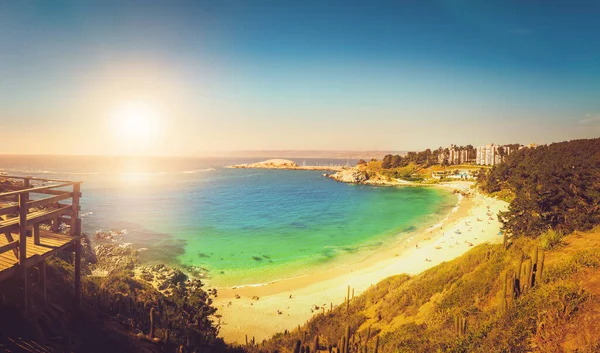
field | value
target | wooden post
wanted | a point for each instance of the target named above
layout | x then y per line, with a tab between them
36	234
26	185
55	224
75	208
78	274
23	245
9	239
43	282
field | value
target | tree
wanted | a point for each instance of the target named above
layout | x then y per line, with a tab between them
387	161
555	187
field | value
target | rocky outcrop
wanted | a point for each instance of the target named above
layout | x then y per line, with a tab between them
270	164
349	176
161	276
112	258
110	235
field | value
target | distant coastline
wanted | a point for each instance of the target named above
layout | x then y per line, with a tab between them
286	164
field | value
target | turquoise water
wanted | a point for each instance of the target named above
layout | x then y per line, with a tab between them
244	226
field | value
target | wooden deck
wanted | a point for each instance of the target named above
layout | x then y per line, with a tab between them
50	243
26	205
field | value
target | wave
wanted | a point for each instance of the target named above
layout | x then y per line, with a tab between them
197	171
32	171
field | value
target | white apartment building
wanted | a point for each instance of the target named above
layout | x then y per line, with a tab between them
454	156
490	154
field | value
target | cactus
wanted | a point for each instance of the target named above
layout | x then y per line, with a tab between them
347	346
376	344
302	349
297	346
540	270
460	325
348	300
315	345
151	322
528	273
503	298
517	279
534	268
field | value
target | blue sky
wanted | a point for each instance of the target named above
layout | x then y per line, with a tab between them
247	75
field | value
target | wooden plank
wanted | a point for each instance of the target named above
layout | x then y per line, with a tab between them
44	216
9	239
7	263
20	188
38	179
9	210
48	200
10	246
34	217
38	189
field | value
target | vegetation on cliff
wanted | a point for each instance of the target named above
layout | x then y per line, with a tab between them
553	187
470	305
117	312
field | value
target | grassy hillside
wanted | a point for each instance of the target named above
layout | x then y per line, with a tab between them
459	306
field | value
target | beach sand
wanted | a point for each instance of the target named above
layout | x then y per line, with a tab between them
291	302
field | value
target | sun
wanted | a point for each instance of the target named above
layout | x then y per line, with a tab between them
135	122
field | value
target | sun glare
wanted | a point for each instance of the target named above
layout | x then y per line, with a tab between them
135	124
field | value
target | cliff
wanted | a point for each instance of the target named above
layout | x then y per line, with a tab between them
491	299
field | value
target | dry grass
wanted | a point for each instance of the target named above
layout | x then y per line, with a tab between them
559	314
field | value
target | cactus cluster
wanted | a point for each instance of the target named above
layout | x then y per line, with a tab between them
134	314
347	344
460	325
528	273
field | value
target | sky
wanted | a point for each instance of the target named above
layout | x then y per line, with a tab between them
199	77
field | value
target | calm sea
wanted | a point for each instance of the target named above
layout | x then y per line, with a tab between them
244	226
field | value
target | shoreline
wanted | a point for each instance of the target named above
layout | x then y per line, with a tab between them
356	258
307	167
283	304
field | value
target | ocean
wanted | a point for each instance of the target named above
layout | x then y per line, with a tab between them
241	226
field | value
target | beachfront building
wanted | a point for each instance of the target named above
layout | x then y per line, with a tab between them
454	155
492	154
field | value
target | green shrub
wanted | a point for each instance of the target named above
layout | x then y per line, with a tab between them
552	240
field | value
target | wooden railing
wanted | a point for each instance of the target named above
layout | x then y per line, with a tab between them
19	212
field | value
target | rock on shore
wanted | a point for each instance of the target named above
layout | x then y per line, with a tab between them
163	277
270	164
112	258
349	176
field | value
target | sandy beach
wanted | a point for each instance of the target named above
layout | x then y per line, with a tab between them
261	311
